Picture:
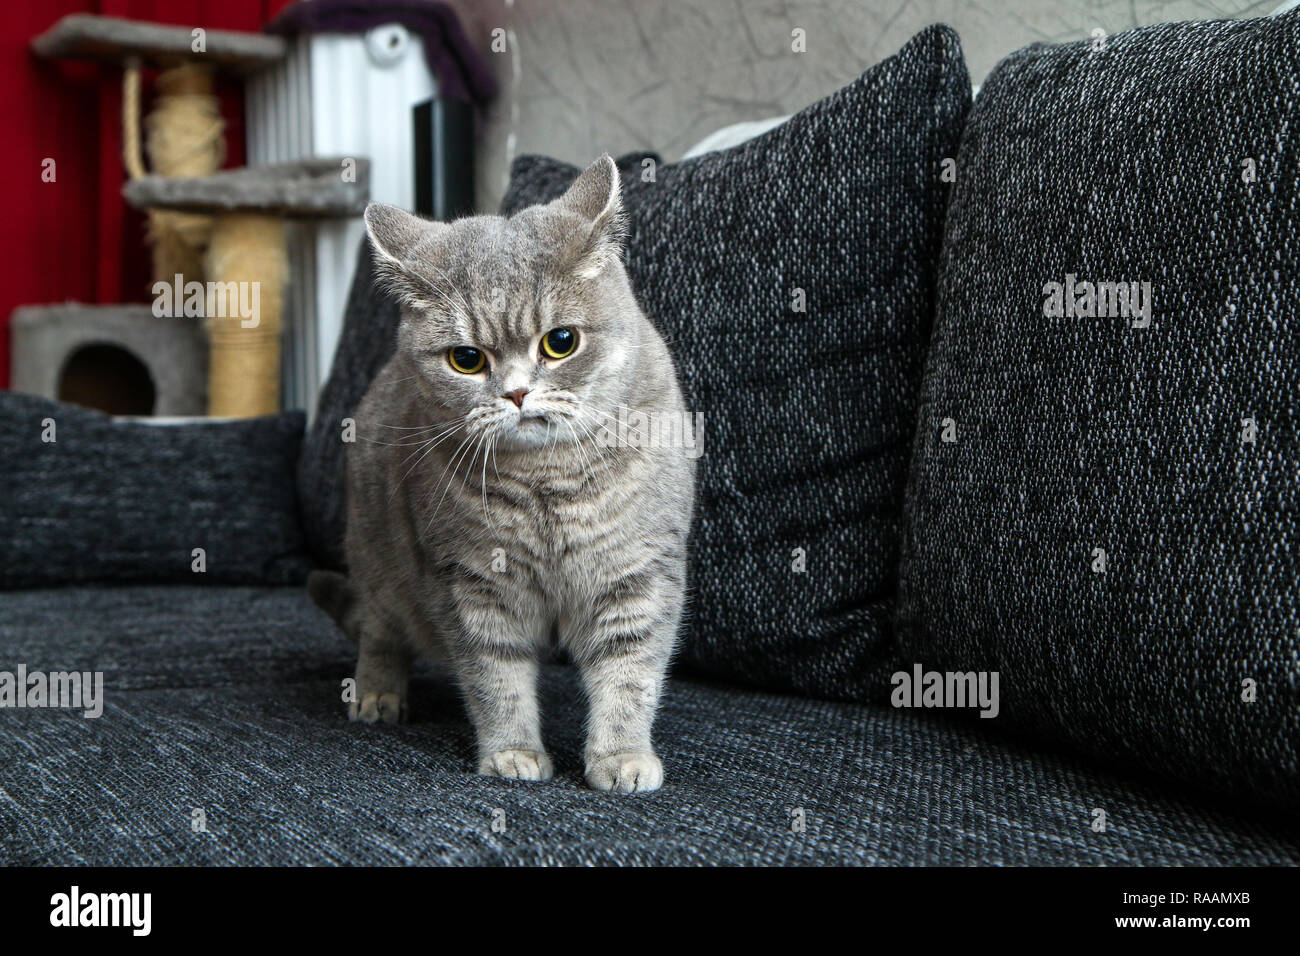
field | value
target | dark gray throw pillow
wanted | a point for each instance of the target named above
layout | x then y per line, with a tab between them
793	278
1102	505
85	498
366	342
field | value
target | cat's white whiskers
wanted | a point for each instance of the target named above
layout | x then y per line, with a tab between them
450	472
421	439
577	445
491	447
601	456
469	466
586	468
636	448
454	287
432	443
495	435
417	428
416	439
553	436
459	309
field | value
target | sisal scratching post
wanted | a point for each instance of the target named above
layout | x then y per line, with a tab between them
246	265
183	137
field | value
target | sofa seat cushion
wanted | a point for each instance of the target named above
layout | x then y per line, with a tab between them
227	700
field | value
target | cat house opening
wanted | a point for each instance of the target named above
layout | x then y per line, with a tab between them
121	359
109	378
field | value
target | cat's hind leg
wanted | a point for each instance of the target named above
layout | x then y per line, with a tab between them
383	676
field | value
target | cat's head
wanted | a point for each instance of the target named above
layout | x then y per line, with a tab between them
525	328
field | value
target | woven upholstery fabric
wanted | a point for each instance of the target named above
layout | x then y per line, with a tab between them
1077	435
228	700
793	278
112	500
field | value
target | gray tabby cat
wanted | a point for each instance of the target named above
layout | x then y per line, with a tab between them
485	519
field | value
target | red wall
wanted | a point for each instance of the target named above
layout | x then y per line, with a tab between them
75	239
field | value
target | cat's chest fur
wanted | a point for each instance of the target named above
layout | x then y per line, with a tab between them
562	522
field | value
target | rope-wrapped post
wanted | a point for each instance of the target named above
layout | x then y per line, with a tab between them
183	137
246	268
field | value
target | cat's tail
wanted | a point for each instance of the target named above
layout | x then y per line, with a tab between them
333	593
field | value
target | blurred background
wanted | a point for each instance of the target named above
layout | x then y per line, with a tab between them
150	139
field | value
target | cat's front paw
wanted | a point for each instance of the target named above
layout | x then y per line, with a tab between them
631	771
375	708
517	765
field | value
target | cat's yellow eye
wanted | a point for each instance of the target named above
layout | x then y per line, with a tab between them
466	360
558	343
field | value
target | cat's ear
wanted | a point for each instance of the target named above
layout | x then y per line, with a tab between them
595	198
401	243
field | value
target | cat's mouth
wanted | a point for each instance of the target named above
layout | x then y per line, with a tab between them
530	431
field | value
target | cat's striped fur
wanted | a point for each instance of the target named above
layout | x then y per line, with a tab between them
481	530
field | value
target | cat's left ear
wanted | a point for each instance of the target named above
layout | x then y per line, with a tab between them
595	197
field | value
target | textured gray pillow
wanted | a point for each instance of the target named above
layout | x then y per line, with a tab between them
112	500
1077	435
366	342
808	415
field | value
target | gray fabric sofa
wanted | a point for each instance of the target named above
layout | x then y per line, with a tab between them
226	700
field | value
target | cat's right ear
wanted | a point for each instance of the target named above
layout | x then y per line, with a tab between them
400	241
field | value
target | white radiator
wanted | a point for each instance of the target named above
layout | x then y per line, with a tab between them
334	95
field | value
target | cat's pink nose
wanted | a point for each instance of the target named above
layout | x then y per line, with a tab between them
517	396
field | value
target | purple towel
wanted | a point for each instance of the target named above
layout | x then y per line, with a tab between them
460	70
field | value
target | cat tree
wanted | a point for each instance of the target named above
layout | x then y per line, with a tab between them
224	229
